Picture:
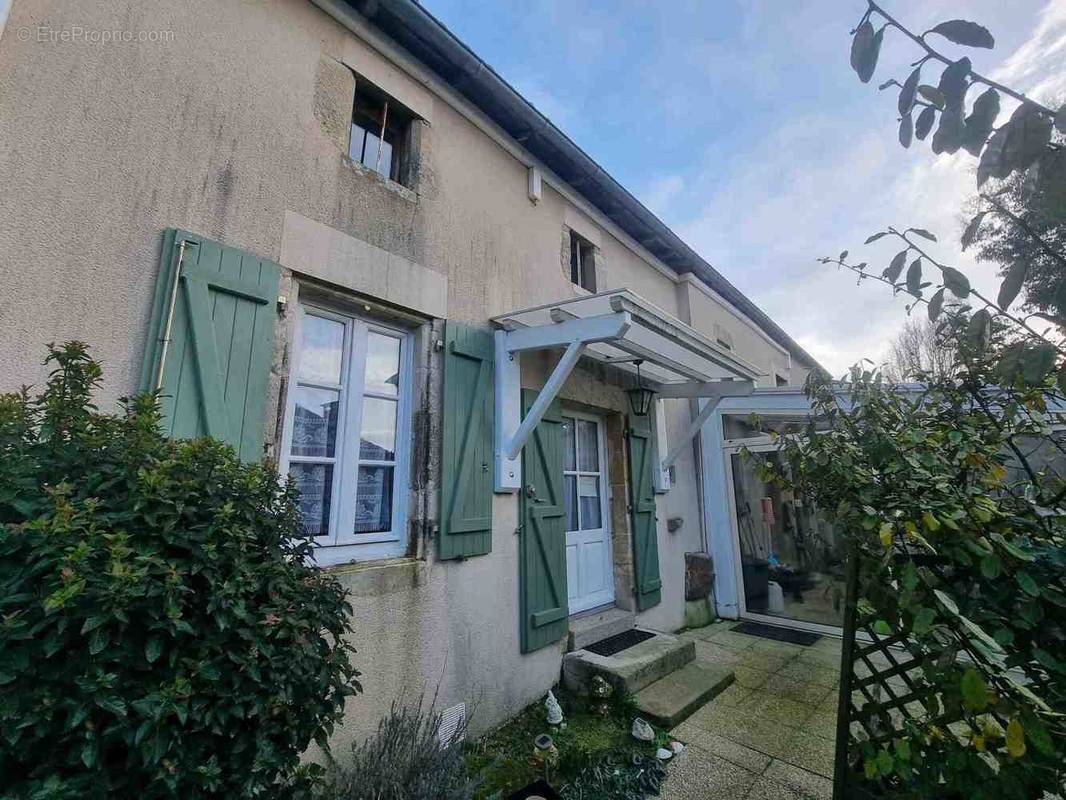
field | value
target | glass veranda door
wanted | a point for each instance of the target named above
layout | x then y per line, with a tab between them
791	562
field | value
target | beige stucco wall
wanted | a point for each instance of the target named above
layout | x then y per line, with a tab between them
226	128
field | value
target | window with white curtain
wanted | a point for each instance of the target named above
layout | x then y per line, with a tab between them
347	433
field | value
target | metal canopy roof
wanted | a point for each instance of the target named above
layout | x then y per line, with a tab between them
672	351
617	328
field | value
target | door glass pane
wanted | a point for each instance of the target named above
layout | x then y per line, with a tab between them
321	349
382	372
373	500
588	493
571	502
588	447
570	460
315	484
314	422
377	441
791	558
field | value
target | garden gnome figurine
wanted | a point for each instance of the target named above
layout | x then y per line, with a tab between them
555	711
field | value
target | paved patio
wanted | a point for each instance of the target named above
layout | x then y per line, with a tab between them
769	736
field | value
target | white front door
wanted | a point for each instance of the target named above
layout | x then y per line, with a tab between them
589	577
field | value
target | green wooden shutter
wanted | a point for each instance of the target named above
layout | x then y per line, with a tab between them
642	513
466	456
221	342
542	545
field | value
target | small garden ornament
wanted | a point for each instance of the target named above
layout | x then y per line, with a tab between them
555	711
545	753
601	690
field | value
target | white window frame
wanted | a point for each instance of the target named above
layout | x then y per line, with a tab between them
342	544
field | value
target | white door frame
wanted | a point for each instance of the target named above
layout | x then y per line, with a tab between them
607	596
729	449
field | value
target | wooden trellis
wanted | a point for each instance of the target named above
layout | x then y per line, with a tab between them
883	688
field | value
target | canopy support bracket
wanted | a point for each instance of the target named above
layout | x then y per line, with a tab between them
713	393
511	430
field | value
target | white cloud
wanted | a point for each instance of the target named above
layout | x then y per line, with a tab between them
822	183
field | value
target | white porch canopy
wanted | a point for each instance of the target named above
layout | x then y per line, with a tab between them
616	327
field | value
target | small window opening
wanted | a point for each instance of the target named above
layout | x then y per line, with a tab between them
781	379
582	262
380	132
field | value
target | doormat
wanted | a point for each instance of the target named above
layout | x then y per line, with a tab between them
777	634
619	642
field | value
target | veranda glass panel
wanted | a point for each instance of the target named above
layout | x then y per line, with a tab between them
792	561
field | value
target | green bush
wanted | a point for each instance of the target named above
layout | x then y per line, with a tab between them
162	633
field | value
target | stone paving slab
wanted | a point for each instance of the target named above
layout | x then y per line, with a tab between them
768	736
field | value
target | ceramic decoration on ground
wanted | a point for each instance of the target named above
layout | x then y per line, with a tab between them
555	711
601	690
545	753
663	754
642	731
676	746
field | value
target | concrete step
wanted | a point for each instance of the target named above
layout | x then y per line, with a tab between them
596	626
632	669
671	700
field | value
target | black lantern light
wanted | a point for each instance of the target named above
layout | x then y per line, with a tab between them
640	397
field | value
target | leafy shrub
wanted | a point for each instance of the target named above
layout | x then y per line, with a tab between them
161	631
406	760
952	500
642	777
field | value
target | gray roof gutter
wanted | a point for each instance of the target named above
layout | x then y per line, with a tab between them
428	40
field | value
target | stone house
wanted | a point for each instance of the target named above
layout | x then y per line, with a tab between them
334	237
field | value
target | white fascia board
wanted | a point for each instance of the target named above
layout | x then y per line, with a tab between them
560	334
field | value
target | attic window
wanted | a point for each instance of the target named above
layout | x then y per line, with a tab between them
582	262
381	128
781	379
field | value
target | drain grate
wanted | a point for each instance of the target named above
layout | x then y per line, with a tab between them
777	634
619	642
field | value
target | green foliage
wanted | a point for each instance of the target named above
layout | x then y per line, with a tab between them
162	632
405	760
954	499
1021	226
503	757
641	777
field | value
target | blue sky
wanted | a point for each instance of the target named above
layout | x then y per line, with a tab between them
743	127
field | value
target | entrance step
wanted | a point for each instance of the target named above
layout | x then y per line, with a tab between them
671	700
630	670
595	626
